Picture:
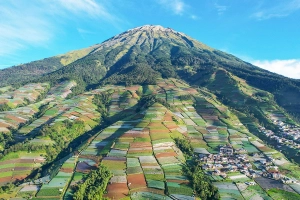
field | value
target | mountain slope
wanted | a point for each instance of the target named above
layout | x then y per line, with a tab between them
158	52
150	113
32	70
169	53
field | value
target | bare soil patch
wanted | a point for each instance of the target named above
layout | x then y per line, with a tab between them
117	190
165	154
136	181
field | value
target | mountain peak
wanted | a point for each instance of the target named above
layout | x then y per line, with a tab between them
152	28
152	36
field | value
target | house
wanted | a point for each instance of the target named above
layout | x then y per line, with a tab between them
276	175
226	150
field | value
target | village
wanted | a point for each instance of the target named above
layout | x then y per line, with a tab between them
289	134
237	164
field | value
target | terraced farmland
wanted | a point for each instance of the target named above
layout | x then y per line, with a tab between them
134	141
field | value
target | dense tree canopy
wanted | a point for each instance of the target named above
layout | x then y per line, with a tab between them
94	185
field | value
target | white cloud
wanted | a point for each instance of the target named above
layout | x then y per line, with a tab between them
176	6
18	27
90	7
283	9
289	68
221	9
37	22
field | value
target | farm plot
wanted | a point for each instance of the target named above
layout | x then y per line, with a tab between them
156	184
17	166
58	185
253	192
136	181
117	191
116	165
133	166
151	168
283	194
151	194
238	177
267	184
228	190
179	189
85	165
168	160
249	147
23	95
295	187
28	191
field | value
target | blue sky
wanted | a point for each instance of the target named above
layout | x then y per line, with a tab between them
265	32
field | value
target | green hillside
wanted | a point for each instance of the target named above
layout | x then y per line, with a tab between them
148	114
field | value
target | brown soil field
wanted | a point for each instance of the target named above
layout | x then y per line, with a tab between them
154	124
159	131
5	180
9	161
6	169
140	151
22	168
4	125
133	88
168	117
191	90
125	139
74	113
136	181
67	170
167	150
25	161
15	118
140	144
160	155
211	128
19	177
140	148
171	126
117	190
264	148
149	164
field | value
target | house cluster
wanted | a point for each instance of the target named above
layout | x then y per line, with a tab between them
289	135
288	130
225	162
228	160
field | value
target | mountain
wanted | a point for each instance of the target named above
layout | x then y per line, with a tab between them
144	115
140	55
